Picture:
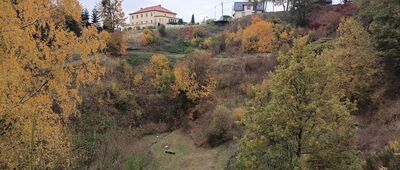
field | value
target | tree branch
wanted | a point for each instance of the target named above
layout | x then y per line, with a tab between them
30	96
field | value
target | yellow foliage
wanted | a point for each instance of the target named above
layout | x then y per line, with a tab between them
258	37
193	77
157	74
353	60
148	36
238	114
207	43
42	65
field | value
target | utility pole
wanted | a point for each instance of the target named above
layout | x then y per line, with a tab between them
222	4
215	12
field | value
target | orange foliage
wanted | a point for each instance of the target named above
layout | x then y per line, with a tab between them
258	37
118	44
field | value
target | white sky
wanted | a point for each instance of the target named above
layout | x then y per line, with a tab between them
185	8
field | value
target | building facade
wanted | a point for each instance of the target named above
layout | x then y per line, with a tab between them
251	7
151	17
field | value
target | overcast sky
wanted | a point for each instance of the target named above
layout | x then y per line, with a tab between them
185	8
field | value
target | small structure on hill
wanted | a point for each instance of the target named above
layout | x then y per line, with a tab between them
251	7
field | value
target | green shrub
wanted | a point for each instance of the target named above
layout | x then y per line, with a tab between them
220	128
162	31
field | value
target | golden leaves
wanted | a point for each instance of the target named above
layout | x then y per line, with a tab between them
258	37
41	68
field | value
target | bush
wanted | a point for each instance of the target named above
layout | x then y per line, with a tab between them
162	31
117	44
194	78
155	93
148	37
258	37
386	159
220	128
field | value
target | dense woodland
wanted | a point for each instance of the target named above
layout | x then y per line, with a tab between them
310	87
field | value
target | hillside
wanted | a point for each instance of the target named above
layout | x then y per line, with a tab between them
314	87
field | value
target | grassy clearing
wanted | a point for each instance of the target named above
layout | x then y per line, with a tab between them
140	57
187	155
127	150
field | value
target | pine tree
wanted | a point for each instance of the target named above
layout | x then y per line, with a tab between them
112	13
85	18
303	125
383	17
95	16
192	21
39	96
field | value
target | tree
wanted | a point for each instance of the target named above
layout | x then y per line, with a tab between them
383	17
258	37
303	125
354	60
193	77
155	91
180	22
299	10
85	18
95	16
40	95
192	21
112	14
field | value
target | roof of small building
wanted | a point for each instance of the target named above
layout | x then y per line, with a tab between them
239	6
153	8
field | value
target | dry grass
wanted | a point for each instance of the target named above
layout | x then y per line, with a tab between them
123	144
377	130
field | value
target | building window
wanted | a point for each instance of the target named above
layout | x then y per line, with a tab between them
151	21
146	15
137	16
141	15
151	14
248	7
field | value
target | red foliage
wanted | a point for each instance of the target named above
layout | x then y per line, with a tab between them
326	20
186	33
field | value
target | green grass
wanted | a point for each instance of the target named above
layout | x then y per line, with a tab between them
139	58
135	163
187	154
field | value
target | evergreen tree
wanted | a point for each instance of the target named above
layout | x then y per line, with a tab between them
180	22
192	21
95	16
304	125
383	17
112	14
85	17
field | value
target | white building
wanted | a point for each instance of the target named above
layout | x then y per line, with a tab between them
251	7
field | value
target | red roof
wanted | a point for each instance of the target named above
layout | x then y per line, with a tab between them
154	8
